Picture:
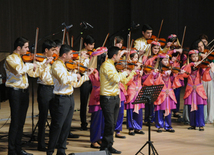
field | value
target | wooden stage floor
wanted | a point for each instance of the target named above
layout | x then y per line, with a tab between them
182	142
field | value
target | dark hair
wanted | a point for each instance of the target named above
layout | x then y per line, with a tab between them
132	55
152	45
119	39
48	44
58	42
100	59
89	40
112	51
146	27
194	45
64	49
203	36
20	42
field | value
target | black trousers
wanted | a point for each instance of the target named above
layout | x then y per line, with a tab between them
61	116
45	97
110	108
19	102
85	90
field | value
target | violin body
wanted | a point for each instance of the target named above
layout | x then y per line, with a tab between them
162	41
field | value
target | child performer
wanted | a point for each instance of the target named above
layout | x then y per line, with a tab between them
134	111
151	60
166	100
97	119
195	96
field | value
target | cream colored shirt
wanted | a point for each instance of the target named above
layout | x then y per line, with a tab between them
64	81
110	78
16	71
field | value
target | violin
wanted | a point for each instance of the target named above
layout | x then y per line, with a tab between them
70	65
75	55
91	51
81	67
173	69
122	64
28	57
148	68
162	41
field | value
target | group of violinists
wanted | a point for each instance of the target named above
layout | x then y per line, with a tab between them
109	88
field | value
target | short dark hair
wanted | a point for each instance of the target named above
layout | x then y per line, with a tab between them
203	36
20	42
119	39
58	42
65	49
146	27
132	55
89	40
112	51
48	44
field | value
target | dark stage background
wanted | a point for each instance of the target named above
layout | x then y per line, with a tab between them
21	17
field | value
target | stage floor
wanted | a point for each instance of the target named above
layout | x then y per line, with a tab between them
182	142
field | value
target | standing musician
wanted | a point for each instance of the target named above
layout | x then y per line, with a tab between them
109	95
208	85
86	87
17	81
45	90
63	106
141	43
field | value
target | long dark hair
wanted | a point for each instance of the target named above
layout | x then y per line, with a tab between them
100	59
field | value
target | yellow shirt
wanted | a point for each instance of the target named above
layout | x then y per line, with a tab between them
110	78
45	76
16	71
64	81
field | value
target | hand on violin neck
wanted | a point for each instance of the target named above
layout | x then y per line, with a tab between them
182	71
156	70
180	50
212	66
49	59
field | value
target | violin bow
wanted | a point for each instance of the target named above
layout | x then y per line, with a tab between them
206	56
115	41
105	40
160	28
67	36
63	37
81	43
36	42
72	41
184	33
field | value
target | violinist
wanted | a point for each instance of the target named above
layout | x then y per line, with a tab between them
141	43
195	96
134	111
45	90
63	105
109	95
208	85
151	61
97	119
17	82
86	87
204	39
166	100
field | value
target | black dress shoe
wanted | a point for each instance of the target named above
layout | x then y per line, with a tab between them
170	130
131	133
191	128
22	152
73	135
119	136
113	150
139	132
